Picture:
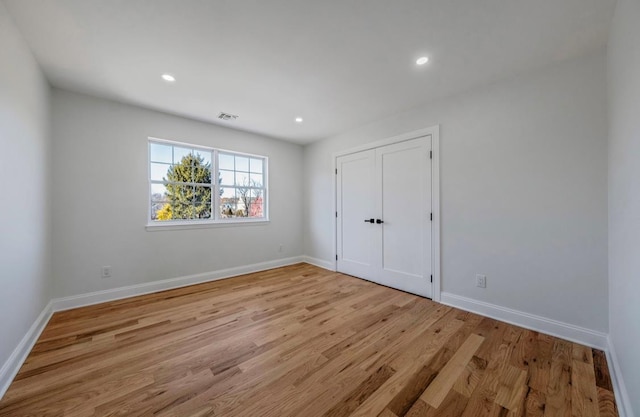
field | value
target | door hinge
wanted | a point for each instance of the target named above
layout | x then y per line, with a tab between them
430	154
336	171
431	278
431	216
336	257
336	214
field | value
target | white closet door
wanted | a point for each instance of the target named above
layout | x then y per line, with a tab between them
356	203
390	186
404	205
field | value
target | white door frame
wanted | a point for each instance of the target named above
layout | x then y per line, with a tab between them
434	132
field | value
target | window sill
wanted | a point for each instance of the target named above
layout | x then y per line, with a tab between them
158	227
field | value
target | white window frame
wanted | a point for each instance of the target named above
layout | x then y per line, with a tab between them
216	219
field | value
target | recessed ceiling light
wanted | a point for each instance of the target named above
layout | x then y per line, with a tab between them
298	119
168	78
422	60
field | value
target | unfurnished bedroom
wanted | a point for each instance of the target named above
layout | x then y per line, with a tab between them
320	208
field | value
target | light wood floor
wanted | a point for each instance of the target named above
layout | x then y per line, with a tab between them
300	341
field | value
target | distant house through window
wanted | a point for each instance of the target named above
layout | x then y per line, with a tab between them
195	184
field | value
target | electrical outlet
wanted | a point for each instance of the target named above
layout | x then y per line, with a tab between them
481	281
281	248
106	272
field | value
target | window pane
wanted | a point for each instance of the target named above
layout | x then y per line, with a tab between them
257	204
160	153
179	153
201	193
228	203
160	207
161	211
242	179
202	202
244	194
256	180
179	193
203	213
242	163
226	161
204	156
159	171
180	173
256	165
158	192
227	177
182	211
202	174
228	193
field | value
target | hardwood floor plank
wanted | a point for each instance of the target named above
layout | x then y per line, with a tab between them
424	318
439	388
404	399
356	397
452	406
603	379
497	350
300	341
607	403
512	388
559	388
365	348
470	377
534	403
409	394
540	363
418	409
481	403
417	354
584	393
387	413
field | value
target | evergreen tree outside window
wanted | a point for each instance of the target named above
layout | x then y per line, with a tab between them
182	188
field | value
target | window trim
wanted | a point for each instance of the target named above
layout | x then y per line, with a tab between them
216	220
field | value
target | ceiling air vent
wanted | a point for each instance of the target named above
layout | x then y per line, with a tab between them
227	116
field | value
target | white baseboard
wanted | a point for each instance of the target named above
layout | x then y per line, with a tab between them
551	327
320	263
11	367
619	389
97	297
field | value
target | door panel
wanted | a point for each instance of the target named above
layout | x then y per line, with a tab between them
356	196
405	207
393	184
402	237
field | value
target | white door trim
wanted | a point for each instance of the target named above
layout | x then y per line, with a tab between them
434	132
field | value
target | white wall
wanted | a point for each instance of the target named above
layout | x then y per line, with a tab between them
25	210
624	193
101	191
523	190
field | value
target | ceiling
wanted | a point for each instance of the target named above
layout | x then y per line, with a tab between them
338	64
